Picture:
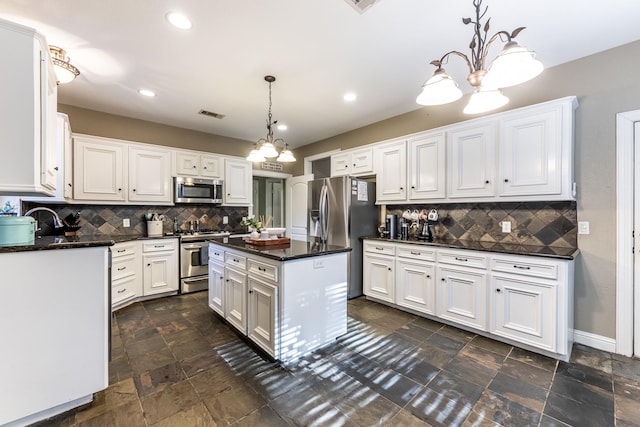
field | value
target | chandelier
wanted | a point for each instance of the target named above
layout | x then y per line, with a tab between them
513	65
65	72
266	147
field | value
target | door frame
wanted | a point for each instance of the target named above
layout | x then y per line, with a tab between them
625	218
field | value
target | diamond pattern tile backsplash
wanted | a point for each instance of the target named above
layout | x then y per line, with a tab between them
532	223
96	219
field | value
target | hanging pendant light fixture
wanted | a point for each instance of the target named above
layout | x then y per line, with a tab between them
265	148
514	65
65	72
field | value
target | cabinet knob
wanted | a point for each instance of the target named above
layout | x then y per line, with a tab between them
119	189
389	268
401	188
227	280
148	265
222	278
55	168
443	280
134	190
506	180
346	166
228	194
204	167
250	291
69	184
428	276
498	290
194	166
413	187
486	182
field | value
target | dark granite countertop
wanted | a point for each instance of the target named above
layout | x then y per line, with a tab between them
59	242
505	248
294	250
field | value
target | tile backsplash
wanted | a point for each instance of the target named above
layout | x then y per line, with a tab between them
106	219
532	223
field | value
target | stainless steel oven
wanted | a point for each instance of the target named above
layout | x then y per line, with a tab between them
194	261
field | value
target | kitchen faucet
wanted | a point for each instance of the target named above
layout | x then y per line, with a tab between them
57	222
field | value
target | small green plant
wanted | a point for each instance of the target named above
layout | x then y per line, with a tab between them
252	222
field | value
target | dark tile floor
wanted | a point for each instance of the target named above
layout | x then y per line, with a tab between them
175	363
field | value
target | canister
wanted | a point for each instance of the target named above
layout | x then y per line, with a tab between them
17	230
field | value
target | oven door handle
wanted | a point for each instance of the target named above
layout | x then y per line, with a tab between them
195	280
192	246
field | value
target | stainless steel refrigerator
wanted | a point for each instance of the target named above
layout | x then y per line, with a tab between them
340	211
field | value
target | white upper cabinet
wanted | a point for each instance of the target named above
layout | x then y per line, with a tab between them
391	170
536	153
354	162
99	169
427	166
149	175
27	113
472	166
195	164
237	182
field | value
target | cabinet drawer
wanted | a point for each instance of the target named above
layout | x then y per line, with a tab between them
123	290
216	254
123	267
235	260
525	266
380	247
123	249
416	252
159	245
267	271
463	259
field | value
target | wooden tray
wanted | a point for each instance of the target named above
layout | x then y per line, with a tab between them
265	242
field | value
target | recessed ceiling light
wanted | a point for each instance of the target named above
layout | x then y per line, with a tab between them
282	126
178	20
147	92
349	97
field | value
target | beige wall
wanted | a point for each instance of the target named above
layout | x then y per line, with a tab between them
606	84
96	123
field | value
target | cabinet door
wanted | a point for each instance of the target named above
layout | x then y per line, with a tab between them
235	303
530	154
427	167
159	273
237	182
216	287
65	150
187	164
51	166
262	314
415	286
391	170
99	172
210	166
124	290
362	161
149	175
341	164
378	277
462	296
472	162
524	309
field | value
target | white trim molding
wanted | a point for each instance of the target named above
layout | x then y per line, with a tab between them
594	341
624	227
309	159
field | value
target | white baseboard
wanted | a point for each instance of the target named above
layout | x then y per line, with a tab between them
595	341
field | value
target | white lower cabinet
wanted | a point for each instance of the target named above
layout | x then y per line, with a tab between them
160	266
235	304
521	299
263	314
216	287
126	280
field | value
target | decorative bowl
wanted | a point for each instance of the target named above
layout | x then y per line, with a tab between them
276	231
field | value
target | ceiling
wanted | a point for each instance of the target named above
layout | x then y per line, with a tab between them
317	50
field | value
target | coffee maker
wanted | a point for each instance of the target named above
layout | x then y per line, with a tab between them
391	225
431	218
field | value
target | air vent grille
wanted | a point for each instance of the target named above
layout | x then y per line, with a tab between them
361	5
211	114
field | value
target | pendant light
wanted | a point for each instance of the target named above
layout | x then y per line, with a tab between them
65	72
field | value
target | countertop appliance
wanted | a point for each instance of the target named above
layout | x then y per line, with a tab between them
196	190
194	259
340	211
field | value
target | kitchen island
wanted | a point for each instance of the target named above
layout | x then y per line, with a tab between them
54	306
288	300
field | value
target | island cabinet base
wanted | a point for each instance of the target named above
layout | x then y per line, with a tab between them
287	307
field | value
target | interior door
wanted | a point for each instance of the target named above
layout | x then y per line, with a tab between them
296	206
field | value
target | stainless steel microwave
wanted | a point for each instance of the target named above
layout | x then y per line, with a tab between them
196	190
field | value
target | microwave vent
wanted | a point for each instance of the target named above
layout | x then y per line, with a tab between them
211	114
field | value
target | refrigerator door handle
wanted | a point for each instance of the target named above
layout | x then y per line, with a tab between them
324	213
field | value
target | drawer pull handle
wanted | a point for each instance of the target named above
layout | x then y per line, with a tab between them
158	246
216	253
121	250
122	290
461	259
120	269
379	249
415	253
262	269
522	267
236	260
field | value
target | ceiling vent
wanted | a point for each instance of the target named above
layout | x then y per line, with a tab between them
211	114
361	5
